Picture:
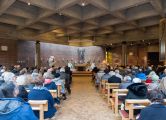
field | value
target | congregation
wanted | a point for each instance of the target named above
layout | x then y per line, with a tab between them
19	85
141	83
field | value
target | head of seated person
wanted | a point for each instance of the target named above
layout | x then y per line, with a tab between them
41	93
57	79
126	82
155	82
23	82
106	75
114	79
156	109
141	75
11	106
49	84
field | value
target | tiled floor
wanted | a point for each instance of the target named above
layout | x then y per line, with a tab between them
85	103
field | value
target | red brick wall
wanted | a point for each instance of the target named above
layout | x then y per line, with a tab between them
8	57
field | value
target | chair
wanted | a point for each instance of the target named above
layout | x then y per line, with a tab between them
40	105
103	86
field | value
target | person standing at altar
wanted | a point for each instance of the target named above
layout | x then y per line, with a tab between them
92	66
70	65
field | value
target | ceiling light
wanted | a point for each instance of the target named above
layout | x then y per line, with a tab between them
29	3
83	3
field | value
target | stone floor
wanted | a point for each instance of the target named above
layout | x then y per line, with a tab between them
85	103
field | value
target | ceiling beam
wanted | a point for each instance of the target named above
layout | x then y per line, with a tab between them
61	4
5	4
158	6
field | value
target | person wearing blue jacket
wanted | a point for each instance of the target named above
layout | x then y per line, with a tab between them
41	93
12	108
156	110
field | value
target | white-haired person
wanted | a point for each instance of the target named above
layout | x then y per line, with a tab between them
155	82
117	74
11	107
23	82
126	81
8	75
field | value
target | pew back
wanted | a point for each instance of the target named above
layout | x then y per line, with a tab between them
39	105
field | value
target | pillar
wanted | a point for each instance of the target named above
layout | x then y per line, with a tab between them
124	53
37	54
162	40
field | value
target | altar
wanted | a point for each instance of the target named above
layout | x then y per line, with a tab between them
81	67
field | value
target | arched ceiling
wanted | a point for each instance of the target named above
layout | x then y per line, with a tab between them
102	21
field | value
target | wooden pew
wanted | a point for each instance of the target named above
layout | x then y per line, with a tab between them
53	93
103	86
40	105
59	88
115	102
110	86
133	104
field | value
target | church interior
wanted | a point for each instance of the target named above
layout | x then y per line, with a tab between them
82	59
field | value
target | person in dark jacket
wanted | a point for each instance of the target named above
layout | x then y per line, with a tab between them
137	90
41	93
22	93
68	79
12	108
155	111
114	79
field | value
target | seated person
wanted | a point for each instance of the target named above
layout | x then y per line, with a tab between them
114	79
106	75
156	110
22	81
137	90
12	108
48	83
60	82
117	74
162	86
41	93
126	82
141	75
155	82
51	86
163	74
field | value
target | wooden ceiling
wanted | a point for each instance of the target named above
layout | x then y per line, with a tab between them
102	21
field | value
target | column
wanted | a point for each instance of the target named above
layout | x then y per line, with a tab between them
37	54
124	53
162	40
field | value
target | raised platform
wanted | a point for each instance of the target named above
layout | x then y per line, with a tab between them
82	73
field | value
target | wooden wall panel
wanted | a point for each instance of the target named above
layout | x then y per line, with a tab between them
8	57
62	53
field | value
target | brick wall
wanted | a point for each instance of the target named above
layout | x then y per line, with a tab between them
8	57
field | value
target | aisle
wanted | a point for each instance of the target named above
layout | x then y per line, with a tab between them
84	103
